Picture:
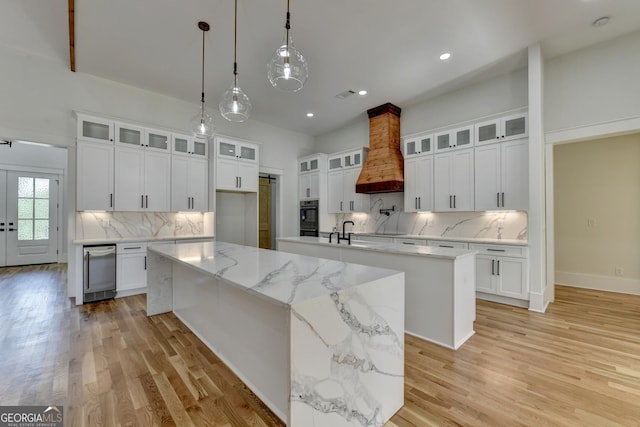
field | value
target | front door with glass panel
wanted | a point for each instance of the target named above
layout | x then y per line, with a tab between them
3	218
32	218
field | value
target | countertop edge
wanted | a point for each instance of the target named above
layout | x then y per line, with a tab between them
136	239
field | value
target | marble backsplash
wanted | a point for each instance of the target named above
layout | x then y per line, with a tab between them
147	225
507	225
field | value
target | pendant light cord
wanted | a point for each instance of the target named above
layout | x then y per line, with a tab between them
202	85
287	25
235	45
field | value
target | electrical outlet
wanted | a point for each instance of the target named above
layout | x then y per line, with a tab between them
619	271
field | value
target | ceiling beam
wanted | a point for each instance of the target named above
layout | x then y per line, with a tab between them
72	35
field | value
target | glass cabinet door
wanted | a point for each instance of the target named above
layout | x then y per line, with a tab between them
200	147
130	135
335	163
313	164
464	137
247	153
180	145
226	149
515	126
157	140
443	140
304	166
487	132
410	148
425	144
95	129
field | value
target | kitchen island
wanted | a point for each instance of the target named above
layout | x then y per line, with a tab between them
321	342
439	282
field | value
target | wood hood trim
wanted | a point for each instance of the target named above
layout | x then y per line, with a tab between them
383	170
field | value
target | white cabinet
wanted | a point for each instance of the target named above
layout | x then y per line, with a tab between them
448	244
309	186
453	181
409	241
344	170
418	184
189	184
236	166
417	145
505	128
188	146
95	175
311	174
457	138
94	129
502	176
135	136
142	180
502	270
131	267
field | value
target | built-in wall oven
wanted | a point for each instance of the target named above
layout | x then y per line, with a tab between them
309	218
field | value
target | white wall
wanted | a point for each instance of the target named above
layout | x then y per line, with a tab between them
39	95
597	213
503	93
593	85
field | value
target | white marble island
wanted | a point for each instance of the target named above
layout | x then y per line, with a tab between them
321	342
439	282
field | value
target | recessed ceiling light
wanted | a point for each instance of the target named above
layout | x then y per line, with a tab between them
601	22
362	92
445	56
309	114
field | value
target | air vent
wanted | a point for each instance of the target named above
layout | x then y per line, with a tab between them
345	94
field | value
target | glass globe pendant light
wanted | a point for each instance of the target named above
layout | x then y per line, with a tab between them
201	124
234	103
288	69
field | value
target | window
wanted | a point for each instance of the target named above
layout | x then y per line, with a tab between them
33	208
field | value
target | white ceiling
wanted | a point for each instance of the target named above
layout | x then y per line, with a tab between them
389	48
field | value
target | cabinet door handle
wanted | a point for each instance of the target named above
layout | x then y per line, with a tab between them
415	202
498	199
145	262
146	198
408	243
498	262
446	246
450	204
308	192
493	267
496	250
503	200
419	202
132	247
110	200
240	179
454	201
142	201
340	206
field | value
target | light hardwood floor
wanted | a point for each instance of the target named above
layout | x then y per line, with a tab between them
108	364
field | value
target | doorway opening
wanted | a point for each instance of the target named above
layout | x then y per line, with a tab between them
267	211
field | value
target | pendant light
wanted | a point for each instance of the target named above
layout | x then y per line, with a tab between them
202	123
234	103
288	69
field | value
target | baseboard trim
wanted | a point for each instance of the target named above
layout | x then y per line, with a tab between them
600	283
503	300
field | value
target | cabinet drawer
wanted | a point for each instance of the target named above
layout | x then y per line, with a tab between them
500	250
415	242
131	248
381	239
448	244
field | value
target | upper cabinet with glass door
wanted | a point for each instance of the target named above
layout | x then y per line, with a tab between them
228	149
505	128
418	145
453	139
95	129
347	159
183	145
312	163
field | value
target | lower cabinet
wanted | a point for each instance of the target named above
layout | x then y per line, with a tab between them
131	268
502	270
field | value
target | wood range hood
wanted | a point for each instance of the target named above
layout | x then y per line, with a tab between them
383	170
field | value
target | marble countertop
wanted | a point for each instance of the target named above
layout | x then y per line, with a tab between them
105	240
486	240
280	277
398	248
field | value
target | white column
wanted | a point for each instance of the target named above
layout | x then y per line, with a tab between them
537	210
